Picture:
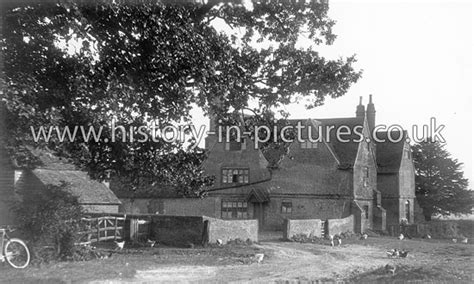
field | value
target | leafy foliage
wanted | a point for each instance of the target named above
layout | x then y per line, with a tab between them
440	185
69	63
51	218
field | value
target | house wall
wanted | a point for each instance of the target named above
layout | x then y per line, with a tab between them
397	188
220	158
303	208
364	186
209	206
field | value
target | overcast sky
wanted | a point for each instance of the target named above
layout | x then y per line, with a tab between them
417	62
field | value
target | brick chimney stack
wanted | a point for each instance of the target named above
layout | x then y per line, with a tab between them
360	111
371	114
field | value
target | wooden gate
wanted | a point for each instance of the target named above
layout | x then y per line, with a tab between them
102	229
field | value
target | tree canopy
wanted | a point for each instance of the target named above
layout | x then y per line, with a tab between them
71	63
441	188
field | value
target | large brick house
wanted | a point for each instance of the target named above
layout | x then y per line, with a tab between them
327	179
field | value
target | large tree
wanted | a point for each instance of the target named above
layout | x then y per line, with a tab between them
441	188
85	63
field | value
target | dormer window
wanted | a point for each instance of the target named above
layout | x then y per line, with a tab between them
235	176
308	145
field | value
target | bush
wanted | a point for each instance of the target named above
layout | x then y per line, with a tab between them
51	218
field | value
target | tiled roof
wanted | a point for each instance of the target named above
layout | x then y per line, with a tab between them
79	184
389	154
345	152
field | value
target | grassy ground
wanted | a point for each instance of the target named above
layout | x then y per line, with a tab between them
357	261
124	264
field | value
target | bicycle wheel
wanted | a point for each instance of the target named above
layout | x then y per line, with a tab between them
16	253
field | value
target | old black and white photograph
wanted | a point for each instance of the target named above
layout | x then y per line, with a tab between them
236	141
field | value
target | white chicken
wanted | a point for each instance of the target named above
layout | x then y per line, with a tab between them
150	243
120	245
401	237
259	257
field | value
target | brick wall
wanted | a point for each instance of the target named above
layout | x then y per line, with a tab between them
227	230
209	206
337	226
309	228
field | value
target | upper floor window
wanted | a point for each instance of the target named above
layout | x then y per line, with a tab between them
309	145
366	176
235	176
286	207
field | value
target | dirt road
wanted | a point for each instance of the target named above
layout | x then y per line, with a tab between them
294	261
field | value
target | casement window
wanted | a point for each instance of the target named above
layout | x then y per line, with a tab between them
286	207
234	175
366	211
234	209
309	145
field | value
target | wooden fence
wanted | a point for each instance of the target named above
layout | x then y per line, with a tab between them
102	229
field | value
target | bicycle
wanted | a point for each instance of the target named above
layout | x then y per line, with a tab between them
14	251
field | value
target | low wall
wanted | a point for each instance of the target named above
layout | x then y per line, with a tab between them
177	230
307	227
337	226
227	230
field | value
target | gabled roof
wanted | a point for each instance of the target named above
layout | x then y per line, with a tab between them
79	183
389	154
54	170
344	152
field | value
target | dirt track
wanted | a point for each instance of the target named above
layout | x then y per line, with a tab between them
295	261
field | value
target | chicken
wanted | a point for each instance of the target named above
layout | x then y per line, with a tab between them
259	257
331	238
120	245
390	268
455	240
401	237
393	253
364	236
464	241
150	243
339	242
403	254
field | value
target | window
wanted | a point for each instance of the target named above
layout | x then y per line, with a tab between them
235	176
407	211
309	145
366	211
234	145
234	209
366	176
286	207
